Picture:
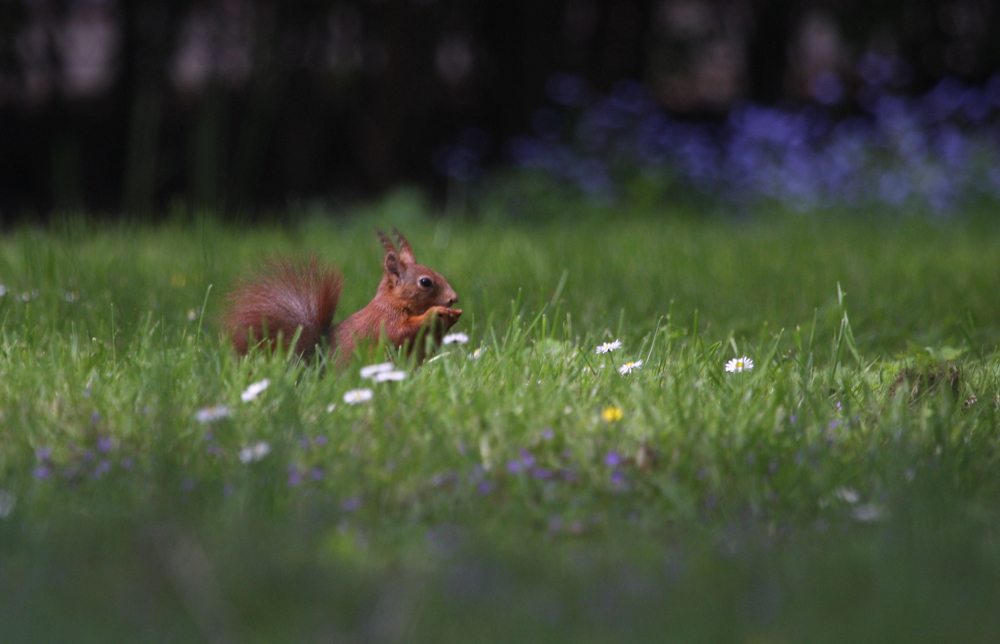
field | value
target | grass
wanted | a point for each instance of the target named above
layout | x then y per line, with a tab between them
844	489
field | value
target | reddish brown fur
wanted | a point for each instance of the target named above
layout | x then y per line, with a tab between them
279	299
285	296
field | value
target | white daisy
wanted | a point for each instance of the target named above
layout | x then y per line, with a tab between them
255	452
478	352
356	396
847	494
609	346
629	367
371	370
395	375
254	390
459	338
737	365
869	512
211	414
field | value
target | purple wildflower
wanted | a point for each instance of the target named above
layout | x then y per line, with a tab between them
42	472
351	504
445	478
104	445
568	475
613	459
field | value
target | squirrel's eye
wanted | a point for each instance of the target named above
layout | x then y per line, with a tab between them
426	282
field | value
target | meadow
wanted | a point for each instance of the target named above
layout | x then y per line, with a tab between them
521	486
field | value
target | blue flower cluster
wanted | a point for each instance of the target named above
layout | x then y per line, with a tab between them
932	152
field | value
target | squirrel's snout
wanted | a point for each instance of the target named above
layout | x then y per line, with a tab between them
452	298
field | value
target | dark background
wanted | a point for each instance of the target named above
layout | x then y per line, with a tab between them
241	105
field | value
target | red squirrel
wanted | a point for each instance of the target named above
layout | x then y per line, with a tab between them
285	296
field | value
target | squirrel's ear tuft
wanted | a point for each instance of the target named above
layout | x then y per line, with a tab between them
386	242
405	250
392	264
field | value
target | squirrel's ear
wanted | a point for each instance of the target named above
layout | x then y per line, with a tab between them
405	250
392	264
386	242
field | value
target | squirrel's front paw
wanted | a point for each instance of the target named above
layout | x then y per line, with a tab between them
443	312
443	318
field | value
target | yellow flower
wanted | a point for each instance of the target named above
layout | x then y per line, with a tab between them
611	414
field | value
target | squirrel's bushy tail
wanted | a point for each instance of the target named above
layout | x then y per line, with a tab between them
280	298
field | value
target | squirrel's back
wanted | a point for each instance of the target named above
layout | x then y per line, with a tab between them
411	308
282	297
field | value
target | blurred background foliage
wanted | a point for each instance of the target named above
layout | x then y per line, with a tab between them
141	107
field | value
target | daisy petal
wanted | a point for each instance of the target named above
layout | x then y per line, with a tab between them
609	346
737	365
389	375
254	390
211	414
357	396
371	370
629	367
